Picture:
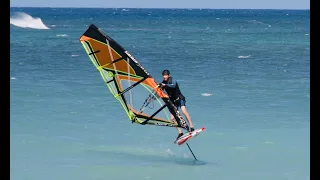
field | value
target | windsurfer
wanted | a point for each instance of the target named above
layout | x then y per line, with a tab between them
172	88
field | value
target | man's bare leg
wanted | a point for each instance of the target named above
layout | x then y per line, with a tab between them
185	112
173	119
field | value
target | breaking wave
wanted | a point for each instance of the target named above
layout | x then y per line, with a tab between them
24	20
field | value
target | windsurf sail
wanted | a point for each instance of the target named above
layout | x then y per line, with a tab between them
129	82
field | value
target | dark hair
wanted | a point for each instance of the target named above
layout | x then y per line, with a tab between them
165	72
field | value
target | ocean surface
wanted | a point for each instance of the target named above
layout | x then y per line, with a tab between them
245	74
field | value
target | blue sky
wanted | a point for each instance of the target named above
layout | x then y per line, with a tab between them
212	4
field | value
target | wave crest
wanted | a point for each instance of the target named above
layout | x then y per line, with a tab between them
24	20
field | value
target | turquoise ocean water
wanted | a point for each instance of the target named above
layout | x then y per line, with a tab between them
245	74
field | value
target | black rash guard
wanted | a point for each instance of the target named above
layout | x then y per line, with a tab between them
173	90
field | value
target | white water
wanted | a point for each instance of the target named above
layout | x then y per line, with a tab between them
24	20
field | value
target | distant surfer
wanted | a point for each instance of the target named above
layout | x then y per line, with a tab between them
172	88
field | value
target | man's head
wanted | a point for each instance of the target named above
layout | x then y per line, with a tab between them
165	74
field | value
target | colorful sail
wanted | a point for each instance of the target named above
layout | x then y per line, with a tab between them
129	82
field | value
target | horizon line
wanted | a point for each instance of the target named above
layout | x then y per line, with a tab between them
155	8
